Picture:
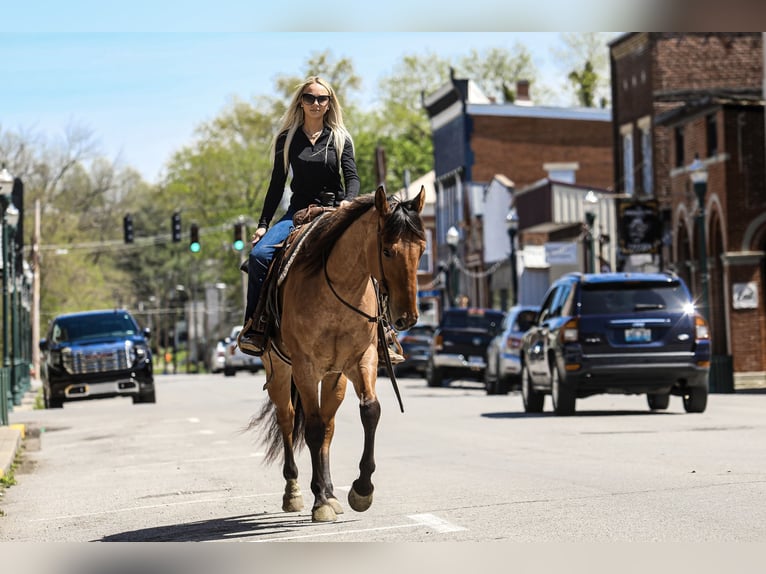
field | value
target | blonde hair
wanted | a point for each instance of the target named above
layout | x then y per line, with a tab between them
293	119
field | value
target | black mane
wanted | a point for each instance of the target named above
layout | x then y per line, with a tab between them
403	221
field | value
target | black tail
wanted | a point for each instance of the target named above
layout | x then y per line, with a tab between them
272	435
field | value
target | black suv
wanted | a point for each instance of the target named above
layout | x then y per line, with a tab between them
96	354
621	333
459	344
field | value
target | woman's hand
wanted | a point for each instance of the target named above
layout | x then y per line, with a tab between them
344	203
257	234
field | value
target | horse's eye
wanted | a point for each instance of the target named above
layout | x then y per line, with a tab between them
387	253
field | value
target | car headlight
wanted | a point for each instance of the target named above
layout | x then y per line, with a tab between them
136	352
63	358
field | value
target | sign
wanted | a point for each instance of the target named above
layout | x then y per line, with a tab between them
429	293
744	295
561	253
639	227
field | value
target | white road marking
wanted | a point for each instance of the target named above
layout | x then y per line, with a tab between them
438	524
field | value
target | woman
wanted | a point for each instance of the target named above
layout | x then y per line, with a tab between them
307	143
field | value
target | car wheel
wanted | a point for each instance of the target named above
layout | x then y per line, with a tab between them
658	401
149	397
562	395
434	376
695	399
503	384
490	383
533	400
52	403
229	372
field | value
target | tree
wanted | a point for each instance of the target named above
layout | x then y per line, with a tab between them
584	59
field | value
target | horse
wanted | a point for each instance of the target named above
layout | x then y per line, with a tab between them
357	266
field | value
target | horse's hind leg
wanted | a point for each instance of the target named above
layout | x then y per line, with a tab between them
282	397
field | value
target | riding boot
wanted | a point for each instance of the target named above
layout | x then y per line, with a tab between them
253	337
392	346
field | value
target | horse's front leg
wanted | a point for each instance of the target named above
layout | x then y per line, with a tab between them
360	495
333	391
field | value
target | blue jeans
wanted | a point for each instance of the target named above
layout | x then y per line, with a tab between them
260	259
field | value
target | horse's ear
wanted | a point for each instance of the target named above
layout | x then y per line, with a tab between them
381	201
420	199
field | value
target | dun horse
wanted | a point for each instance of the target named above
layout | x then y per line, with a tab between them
328	335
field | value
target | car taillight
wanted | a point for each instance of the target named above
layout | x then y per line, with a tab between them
701	331
438	342
512	343
569	332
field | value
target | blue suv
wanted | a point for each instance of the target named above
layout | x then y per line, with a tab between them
621	333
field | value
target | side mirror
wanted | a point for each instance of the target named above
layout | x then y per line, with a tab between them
43	344
147	332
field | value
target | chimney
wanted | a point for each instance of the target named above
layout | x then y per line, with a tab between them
522	93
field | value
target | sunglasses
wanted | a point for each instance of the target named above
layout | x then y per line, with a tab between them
310	99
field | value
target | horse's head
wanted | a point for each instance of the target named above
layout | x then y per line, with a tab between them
401	243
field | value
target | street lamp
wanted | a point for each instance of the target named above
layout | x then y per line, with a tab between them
698	175
453	238
591	204
512	225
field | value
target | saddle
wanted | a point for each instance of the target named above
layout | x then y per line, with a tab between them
266	318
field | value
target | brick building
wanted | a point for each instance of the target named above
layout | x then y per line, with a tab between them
681	96
477	142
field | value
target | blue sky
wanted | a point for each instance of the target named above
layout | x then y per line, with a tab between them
142	77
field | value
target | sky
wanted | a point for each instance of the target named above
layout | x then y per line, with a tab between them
142	79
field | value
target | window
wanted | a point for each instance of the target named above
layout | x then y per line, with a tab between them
647	167
627	162
711	135
679	141
426	262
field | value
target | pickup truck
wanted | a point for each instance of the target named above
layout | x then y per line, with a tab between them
96	354
459	345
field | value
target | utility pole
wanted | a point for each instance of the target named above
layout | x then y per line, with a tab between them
36	293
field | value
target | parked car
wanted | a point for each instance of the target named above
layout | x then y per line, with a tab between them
416	348
96	354
503	370
236	360
459	344
218	356
622	333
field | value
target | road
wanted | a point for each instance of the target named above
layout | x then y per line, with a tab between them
456	466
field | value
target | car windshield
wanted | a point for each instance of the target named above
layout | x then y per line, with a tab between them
632	297
92	327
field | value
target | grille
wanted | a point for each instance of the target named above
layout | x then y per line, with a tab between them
100	360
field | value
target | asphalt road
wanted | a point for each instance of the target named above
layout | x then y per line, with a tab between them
456	466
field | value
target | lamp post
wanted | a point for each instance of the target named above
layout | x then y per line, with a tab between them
698	175
453	238
512	225
591	203
9	216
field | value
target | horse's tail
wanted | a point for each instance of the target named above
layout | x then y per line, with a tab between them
272	435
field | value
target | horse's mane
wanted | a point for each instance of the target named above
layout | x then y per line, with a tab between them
404	220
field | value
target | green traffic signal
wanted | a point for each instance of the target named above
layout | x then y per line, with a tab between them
194	245
238	243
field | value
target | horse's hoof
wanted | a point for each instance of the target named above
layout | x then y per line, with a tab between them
335	505
292	503
358	502
323	513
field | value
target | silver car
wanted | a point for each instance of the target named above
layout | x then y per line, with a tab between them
503	370
236	360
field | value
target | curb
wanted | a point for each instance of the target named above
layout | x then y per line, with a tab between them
10	442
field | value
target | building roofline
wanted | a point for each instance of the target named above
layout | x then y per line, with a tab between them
543	112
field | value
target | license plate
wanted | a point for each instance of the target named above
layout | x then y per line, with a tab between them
476	360
637	335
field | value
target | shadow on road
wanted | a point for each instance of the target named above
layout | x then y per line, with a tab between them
578	414
246	526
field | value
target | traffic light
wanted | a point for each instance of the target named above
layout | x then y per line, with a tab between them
194	245
176	227
238	243
127	227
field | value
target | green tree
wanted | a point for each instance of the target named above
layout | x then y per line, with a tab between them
584	59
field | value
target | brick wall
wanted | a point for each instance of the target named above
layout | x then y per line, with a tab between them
518	148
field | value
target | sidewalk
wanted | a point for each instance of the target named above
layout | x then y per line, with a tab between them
12	435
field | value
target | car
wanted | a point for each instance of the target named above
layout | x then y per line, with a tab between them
218	356
503	370
416	348
96	354
621	333
459	344
236	360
